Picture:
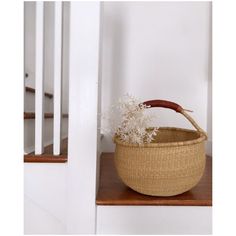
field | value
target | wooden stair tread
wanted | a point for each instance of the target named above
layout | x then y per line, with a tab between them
47	156
32	90
45	159
112	191
31	115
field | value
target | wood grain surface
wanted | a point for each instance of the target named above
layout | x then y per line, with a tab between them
112	191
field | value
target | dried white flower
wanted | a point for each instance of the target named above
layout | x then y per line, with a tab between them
129	121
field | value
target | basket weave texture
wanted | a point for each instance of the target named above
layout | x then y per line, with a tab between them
172	164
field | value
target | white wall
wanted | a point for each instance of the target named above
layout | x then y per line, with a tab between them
29	12
29	43
157	50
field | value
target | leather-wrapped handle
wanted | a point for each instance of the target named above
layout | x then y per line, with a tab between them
165	104
177	108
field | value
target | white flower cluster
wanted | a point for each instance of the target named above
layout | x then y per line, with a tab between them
129	121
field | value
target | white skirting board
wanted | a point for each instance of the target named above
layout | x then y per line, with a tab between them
154	220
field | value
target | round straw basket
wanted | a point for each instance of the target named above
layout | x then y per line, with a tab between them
172	164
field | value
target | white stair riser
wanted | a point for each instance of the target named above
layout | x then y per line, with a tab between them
29	132
29	101
154	220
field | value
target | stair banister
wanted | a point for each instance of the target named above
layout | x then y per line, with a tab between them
39	84
57	72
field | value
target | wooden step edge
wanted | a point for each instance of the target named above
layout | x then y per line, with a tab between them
45	158
32	90
167	202
31	115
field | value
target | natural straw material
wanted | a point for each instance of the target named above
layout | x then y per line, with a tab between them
172	164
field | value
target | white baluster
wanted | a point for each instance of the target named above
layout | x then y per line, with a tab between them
57	79
39	90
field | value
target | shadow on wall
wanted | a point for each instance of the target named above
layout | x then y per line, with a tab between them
113	49
117	54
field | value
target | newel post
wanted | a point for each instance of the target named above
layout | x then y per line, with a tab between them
83	111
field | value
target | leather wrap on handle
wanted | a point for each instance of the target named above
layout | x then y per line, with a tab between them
164	104
177	108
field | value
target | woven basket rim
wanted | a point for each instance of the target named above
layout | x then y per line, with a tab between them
200	139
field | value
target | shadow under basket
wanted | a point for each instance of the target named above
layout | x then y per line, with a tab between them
172	164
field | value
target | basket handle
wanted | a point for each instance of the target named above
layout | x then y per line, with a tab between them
176	107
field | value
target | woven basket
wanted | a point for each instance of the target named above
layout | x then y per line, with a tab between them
172	164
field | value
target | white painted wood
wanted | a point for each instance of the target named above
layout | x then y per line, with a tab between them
37	220
154	220
83	99
39	88
99	105
57	78
45	198
65	57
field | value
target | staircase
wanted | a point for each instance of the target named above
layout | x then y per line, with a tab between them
45	83
86	195
29	130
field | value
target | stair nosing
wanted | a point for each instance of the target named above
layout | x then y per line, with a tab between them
45	158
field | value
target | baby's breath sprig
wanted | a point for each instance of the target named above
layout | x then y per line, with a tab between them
129	121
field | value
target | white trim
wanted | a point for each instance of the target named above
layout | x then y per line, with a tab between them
83	99
39	87
154	220
57	79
